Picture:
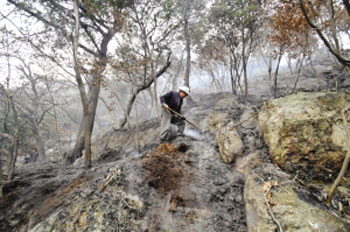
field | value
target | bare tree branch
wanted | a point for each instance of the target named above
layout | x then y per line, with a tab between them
140	89
347	6
323	38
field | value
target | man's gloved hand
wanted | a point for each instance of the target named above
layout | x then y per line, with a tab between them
165	106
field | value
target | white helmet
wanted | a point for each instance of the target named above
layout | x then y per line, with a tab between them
185	89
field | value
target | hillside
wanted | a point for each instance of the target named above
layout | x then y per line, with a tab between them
217	180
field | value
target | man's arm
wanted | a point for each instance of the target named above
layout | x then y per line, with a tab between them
164	99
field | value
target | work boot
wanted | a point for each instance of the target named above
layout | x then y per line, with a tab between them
178	139
179	134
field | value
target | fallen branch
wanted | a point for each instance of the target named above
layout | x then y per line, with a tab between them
115	173
246	119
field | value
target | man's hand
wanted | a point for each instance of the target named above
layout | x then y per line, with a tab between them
165	106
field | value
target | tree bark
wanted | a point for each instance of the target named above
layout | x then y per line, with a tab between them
137	130
14	149
186	14
233	79
244	66
188	55
6	114
38	139
245	78
41	146
269	70
299	66
276	71
1	175
94	92
86	113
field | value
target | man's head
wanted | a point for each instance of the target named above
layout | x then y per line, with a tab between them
184	91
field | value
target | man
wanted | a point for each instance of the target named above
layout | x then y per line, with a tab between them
172	125
33	156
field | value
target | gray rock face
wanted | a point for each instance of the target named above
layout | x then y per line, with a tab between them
230	143
291	212
304	131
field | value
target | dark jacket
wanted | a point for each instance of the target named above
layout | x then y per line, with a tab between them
173	100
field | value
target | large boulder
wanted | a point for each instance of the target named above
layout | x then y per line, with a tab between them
305	131
290	211
230	143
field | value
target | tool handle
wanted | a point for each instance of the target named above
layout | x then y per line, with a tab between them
180	115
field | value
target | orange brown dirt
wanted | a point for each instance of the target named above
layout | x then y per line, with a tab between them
165	170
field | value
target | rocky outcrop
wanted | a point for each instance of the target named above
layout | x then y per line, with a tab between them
305	131
230	143
270	192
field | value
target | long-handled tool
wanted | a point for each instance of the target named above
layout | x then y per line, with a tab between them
180	115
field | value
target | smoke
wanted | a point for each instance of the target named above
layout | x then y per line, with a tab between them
194	134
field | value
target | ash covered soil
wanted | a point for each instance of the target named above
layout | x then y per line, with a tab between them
176	186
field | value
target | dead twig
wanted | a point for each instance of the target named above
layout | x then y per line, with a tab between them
268	203
115	173
246	119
